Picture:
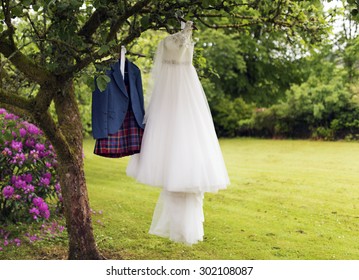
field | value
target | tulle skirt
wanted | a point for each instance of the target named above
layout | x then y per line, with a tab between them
180	150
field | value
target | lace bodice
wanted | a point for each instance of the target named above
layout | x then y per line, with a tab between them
178	47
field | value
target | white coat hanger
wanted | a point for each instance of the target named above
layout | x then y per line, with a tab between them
122	61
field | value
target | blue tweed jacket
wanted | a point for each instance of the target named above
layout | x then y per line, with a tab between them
109	108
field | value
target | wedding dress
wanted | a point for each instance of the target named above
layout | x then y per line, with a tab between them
180	151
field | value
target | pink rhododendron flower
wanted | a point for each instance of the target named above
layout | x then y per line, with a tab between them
33	238
9	116
46	214
19	183
8	191
19	159
40	147
30	142
34	155
17	241
61	228
29	189
32	129
17	146
47	175
37	201
22	132
34	210
44	181
7	152
27	178
43	207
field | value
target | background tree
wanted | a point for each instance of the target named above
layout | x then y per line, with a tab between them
59	40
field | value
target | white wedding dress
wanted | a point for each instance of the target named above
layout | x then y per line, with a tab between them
180	151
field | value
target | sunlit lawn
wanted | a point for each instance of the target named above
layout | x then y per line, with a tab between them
287	200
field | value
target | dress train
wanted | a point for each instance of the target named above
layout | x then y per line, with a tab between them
179	217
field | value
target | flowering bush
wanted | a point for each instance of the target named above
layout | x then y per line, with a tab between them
27	171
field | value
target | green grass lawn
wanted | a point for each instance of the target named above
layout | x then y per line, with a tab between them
287	200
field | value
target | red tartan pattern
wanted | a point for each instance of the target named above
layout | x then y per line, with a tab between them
125	142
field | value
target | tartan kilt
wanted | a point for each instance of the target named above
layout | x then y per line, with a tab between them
126	141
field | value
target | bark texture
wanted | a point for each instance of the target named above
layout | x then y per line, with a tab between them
82	243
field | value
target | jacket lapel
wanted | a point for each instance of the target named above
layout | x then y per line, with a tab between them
131	76
118	77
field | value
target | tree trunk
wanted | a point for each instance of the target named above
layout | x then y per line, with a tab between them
72	178
77	211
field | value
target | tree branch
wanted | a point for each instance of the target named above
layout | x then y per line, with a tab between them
90	27
79	66
7	15
24	64
93	57
130	12
15	110
97	18
43	99
53	133
224	16
136	54
33	26
224	26
14	100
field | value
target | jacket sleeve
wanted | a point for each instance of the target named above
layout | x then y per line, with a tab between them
140	90
99	113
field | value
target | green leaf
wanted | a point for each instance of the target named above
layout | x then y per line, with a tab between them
351	2
8	136
26	2
173	22
11	124
145	20
36	7
76	3
103	49
102	82
206	3
354	12
16	11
